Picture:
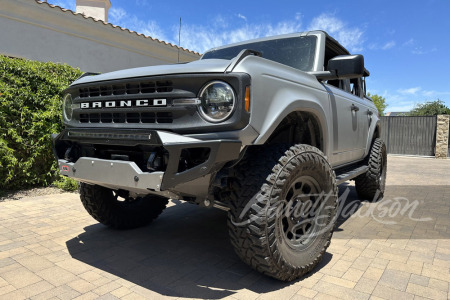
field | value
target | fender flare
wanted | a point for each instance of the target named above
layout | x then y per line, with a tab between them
298	106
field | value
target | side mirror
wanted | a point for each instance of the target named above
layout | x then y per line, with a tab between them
347	66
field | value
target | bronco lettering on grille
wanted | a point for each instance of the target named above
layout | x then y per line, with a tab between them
124	103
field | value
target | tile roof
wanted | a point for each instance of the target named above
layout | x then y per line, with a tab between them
65	10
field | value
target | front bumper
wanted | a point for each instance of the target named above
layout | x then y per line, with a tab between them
126	175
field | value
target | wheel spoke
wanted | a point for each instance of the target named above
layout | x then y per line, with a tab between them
298	222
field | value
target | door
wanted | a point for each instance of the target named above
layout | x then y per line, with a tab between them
351	119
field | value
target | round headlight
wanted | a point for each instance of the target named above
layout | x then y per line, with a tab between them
67	107
217	101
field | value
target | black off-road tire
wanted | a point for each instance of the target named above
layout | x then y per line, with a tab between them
103	205
371	185
266	176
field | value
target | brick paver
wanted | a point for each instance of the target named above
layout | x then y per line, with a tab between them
399	248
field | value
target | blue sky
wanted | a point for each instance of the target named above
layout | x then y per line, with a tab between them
406	44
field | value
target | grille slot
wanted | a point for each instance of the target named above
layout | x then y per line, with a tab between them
131	118
145	87
94	118
164	117
148	117
119	117
94	91
106	117
118	90
105	91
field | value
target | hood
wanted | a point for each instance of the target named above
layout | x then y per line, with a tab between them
198	66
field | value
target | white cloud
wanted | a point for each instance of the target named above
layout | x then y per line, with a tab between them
419	50
222	30
372	46
116	15
151	28
399	107
410	91
388	45
409	42
242	17
349	37
429	93
396	102
404	100
432	94
201	37
415	48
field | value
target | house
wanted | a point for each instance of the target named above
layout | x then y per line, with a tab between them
40	31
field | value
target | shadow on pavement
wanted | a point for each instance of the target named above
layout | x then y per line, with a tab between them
348	201
405	212
185	253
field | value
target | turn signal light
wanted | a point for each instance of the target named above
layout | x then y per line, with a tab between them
247	99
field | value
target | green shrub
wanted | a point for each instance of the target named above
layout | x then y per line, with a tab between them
66	184
30	110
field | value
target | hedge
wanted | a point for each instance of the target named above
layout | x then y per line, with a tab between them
30	110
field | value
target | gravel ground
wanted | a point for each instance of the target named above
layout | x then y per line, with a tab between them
17	195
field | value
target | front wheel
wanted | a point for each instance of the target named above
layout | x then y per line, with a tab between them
283	206
118	210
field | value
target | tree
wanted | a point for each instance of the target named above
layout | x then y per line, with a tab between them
380	103
429	108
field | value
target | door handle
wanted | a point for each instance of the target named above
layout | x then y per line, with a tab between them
354	107
369	112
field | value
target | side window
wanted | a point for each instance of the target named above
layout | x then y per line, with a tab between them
352	87
347	86
335	83
356	87
343	84
340	84
364	89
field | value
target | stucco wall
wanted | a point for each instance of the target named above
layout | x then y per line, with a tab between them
40	32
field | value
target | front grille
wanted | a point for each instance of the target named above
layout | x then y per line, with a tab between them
146	117
145	87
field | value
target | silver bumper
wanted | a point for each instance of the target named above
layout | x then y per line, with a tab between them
114	173
127	175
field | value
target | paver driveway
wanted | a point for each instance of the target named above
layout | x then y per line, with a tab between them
398	248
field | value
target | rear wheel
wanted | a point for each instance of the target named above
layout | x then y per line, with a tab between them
118	210
283	205
371	185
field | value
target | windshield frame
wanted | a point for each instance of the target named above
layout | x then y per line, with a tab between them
311	64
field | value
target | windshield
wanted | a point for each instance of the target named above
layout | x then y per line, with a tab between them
296	52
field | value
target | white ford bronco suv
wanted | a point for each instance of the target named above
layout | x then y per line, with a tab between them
265	129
